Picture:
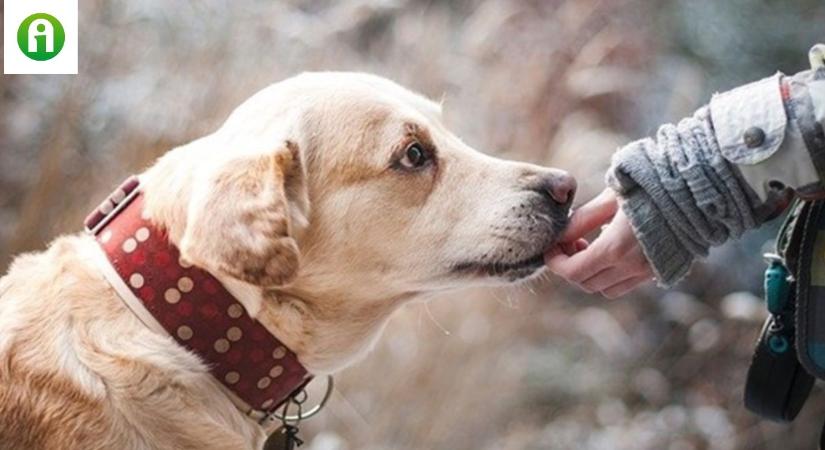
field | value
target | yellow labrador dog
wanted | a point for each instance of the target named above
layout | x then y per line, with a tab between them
323	204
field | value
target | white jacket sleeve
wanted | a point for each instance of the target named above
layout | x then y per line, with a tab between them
772	130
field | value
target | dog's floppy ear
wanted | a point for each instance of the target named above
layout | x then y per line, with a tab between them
241	217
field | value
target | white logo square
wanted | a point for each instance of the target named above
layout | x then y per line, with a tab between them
40	36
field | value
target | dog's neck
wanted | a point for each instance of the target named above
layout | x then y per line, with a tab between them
329	330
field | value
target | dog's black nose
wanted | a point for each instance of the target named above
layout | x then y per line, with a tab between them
562	188
558	185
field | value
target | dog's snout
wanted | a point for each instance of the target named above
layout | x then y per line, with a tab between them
558	185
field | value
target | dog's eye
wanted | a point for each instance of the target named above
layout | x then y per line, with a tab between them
415	156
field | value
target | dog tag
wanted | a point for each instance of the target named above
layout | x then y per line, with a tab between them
284	438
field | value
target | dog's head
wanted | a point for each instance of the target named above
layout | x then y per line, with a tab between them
349	182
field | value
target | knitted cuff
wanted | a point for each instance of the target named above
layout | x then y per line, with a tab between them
670	260
680	195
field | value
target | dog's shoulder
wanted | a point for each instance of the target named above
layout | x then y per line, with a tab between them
40	406
42	410
79	370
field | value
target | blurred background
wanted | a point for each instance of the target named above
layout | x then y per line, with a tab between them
555	82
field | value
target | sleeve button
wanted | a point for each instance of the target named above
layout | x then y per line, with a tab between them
754	137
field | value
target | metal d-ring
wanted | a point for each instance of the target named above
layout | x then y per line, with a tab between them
312	411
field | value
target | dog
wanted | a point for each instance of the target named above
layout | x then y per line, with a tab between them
323	204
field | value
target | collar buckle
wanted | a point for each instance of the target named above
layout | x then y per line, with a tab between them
112	206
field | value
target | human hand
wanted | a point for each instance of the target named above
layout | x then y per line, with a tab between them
613	264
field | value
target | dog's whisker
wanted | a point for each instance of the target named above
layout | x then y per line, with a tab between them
499	298
435	321
508	301
510	239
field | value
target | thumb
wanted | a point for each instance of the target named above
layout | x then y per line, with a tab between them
591	215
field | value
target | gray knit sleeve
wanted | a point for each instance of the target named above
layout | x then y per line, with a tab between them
681	195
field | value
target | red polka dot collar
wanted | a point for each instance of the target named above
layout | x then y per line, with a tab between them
191	306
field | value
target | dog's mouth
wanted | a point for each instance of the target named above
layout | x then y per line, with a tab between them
503	266
512	271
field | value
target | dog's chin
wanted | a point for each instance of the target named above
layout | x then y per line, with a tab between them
513	270
510	271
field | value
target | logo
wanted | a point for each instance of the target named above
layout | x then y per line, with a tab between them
41	37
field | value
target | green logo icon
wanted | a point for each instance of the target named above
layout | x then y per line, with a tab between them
41	37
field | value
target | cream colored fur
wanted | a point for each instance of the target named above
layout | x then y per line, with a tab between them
301	205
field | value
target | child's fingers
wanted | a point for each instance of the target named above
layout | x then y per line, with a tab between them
591	215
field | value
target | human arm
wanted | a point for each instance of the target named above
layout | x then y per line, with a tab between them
701	182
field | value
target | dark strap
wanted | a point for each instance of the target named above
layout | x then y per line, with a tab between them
790	234
810	286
